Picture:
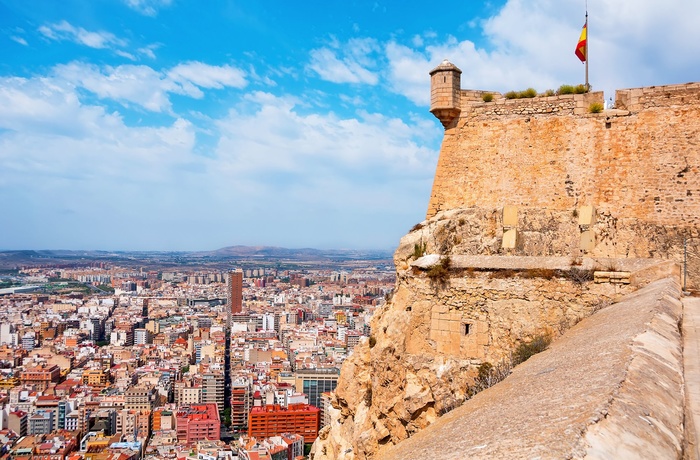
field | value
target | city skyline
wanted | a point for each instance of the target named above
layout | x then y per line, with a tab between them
162	125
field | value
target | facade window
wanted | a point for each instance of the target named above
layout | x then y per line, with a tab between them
466	328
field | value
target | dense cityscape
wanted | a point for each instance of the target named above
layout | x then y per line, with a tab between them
105	359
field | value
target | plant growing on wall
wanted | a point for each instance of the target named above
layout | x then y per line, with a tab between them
419	249
526	350
595	107
440	272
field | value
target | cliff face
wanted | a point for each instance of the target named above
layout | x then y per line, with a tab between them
530	198
429	339
611	387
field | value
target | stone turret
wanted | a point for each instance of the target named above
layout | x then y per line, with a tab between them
445	92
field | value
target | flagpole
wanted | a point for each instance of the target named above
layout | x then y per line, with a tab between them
588	87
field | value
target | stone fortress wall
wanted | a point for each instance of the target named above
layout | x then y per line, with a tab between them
544	213
637	165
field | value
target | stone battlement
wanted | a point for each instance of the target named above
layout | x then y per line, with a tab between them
565	104
638	99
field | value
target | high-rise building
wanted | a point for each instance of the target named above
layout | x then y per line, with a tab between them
213	389
314	382
235	291
241	401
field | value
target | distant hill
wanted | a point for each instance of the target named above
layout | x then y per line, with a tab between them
274	252
19	258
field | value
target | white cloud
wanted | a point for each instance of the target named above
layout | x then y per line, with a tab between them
65	31
146	87
124	54
148	50
84	170
147	7
632	43
276	137
64	159
137	84
351	63
207	76
19	40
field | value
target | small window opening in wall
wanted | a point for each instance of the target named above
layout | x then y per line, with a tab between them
444	79
466	328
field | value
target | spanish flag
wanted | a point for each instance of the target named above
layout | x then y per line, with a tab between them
581	47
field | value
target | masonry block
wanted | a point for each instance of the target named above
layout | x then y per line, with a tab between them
587	240
586	215
510	238
510	216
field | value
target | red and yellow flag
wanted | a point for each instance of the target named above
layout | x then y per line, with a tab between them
581	47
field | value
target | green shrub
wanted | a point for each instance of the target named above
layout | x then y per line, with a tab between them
580	89
525	351
419	249
596	107
565	89
528	93
549	92
440	272
487	97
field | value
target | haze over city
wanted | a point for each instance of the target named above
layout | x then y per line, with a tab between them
180	125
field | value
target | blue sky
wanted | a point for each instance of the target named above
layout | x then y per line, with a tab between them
190	125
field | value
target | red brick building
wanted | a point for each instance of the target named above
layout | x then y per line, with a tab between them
273	420
197	422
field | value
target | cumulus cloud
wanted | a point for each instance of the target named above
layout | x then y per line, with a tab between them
274	159
531	44
137	84
65	160
147	7
63	30
146	87
277	136
349	63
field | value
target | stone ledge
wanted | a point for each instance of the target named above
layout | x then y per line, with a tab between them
534	262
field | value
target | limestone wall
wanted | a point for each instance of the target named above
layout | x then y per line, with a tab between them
639	167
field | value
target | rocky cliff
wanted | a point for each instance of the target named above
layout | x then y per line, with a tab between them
443	322
542	213
610	388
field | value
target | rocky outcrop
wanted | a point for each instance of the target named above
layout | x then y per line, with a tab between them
428	341
611	387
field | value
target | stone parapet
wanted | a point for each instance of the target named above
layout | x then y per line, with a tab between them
638	99
565	104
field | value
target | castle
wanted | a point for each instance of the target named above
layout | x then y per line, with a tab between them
547	217
634	170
